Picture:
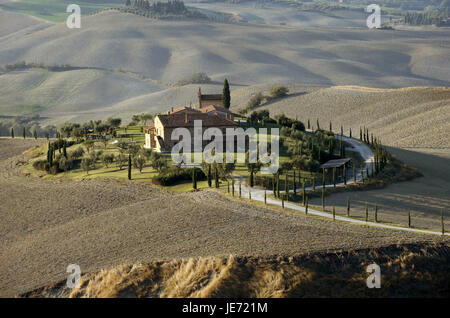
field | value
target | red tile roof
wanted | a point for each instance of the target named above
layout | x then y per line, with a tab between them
179	120
211	108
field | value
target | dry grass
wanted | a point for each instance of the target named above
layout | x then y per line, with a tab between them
407	271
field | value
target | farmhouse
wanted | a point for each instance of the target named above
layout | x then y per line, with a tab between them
210	111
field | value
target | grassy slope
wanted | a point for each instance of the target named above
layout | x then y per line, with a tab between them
55	10
410	117
407	271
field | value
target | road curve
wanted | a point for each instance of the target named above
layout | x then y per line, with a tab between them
367	154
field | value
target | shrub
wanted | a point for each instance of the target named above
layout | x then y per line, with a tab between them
173	175
77	153
278	91
108	159
41	165
196	78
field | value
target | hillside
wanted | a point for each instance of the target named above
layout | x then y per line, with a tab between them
244	53
409	117
408	271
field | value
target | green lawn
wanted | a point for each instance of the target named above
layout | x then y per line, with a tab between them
133	133
55	10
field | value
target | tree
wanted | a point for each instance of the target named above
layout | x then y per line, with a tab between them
24	133
86	164
139	162
107	159
12	132
208	175
278	91
226	98
121	160
65	149
34	133
129	167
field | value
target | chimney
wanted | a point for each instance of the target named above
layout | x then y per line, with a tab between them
186	118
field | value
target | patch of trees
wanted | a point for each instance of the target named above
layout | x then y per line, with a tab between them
160	9
196	78
173	175
431	17
10	125
258	99
142	119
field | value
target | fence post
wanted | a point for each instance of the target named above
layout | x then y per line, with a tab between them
409	218
306	208
367	212
323	198
348	206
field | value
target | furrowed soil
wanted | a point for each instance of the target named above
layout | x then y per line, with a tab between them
47	225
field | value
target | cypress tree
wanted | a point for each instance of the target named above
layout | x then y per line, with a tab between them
251	178
240	190
309	124
303	192
350	133
360	134
295	185
24	134
345	174
286	185
334	177
265	196
318	126
334	213
306	208
216	177
323	198
64	149
409	218
194	179
367	212
226	98
278	185
331	127
34	133
273	186
12	132
362	174
209	176
232	187
348	206
129	167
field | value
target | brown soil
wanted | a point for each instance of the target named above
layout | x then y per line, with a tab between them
46	226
